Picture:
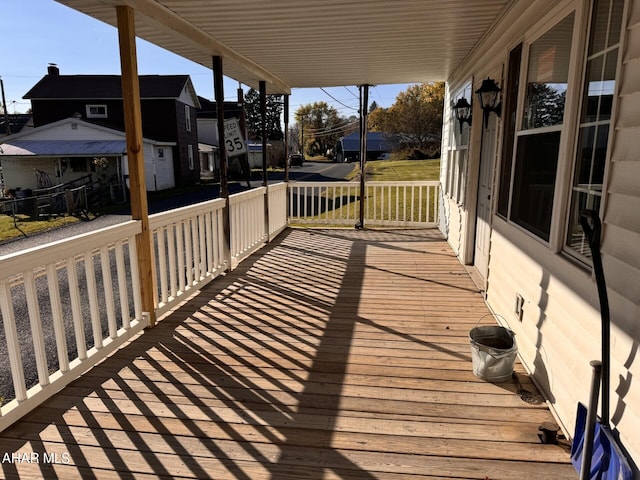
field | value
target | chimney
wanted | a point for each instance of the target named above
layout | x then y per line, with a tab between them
53	70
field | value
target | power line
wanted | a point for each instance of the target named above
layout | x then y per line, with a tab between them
335	99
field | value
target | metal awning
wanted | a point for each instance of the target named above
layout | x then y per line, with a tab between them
311	43
63	148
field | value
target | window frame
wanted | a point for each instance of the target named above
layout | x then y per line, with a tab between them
565	156
580	124
458	142
96	115
190	157
187	116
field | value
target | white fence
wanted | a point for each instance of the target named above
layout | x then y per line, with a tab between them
68	304
396	204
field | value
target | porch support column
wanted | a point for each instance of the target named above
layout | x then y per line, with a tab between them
135	155
286	138
218	90
265	182
364	107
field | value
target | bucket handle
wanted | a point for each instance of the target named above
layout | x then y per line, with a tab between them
496	315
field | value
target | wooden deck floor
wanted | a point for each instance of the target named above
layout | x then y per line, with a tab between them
331	354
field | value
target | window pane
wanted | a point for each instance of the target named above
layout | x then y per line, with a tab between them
576	238
615	24
600	17
534	182
547	76
592	152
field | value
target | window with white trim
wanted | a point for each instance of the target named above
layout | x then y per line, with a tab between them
530	196
595	120
96	111
457	150
187	116
190	156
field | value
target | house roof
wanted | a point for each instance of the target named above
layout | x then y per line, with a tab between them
208	109
311	43
29	142
376	142
106	87
63	148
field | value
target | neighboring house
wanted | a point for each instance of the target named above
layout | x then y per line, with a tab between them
65	151
168	104
348	148
567	139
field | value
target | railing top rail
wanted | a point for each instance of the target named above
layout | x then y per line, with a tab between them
242	196
178	214
14	263
371	183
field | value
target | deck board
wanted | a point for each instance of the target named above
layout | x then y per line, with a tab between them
331	354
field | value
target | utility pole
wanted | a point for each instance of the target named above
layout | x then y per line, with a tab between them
364	107
4	107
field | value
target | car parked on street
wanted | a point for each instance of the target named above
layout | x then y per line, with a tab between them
296	159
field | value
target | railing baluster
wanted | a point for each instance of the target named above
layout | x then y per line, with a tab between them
37	337
92	292
195	249
209	240
203	246
188	250
181	256
162	264
107	281
135	278
76	308
56	314
13	345
173	263
122	286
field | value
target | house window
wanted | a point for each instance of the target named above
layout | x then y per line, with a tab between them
457	151
537	145
595	119
78	164
190	155
96	111
187	116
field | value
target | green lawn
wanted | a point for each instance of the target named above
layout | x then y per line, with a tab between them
392	201
25	225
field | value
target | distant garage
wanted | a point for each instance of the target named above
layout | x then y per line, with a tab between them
348	148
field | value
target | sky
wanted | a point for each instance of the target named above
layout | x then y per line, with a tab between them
38	32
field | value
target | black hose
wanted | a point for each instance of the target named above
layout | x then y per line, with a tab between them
592	228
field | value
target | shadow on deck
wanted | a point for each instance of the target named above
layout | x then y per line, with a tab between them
330	354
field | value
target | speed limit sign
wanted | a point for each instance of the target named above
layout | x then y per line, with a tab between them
233	141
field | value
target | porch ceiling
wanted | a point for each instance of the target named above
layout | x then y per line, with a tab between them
306	43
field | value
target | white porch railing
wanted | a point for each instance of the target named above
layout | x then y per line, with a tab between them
80	297
189	250
44	309
397	204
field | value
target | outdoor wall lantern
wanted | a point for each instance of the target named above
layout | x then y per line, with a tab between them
488	95
462	111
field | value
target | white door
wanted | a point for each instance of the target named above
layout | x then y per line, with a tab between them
483	212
